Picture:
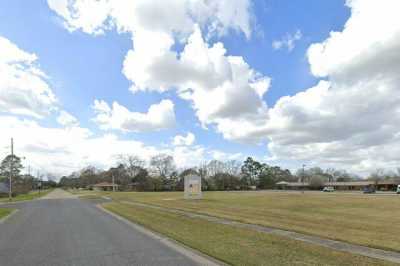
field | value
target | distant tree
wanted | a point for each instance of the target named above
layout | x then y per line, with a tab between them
267	178
143	181
163	164
215	167
88	176
233	167
225	181
11	164
251	170
132	163
316	182
121	176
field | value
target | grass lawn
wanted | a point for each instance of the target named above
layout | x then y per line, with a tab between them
234	245
4	212
28	196
371	220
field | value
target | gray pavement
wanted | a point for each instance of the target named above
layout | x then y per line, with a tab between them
63	230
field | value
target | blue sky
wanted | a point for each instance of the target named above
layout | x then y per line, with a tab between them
83	66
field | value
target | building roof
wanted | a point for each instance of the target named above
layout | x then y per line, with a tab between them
105	184
343	184
282	183
389	182
350	183
298	184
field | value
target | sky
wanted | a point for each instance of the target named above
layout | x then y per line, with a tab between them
286	82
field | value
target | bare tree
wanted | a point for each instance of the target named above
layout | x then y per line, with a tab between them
132	163
202	169
233	167
163	164
215	167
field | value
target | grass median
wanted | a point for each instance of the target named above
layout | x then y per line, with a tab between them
4	212
370	220
27	196
233	245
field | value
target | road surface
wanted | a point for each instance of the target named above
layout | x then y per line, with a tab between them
63	230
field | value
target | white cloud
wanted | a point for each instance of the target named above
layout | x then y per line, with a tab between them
95	16
184	140
61	151
67	120
349	119
223	89
220	87
288	41
24	89
159	116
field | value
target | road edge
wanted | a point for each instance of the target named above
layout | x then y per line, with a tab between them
5	218
194	255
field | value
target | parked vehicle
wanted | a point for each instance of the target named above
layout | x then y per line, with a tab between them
398	189
328	189
369	190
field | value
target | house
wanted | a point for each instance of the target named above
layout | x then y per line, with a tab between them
4	189
105	186
384	185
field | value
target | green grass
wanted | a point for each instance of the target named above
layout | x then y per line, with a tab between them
28	196
4	212
370	220
236	246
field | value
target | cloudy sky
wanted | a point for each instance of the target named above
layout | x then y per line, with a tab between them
287	82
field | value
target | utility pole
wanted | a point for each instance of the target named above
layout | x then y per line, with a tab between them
303	177
11	169
113	181
40	182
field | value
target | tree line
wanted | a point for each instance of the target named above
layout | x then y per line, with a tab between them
12	166
161	174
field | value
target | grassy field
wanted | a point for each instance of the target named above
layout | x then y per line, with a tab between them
28	196
4	212
234	245
371	220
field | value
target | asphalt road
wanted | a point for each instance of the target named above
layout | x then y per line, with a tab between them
63	230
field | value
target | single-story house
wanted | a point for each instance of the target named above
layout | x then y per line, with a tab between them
105	186
4	188
385	185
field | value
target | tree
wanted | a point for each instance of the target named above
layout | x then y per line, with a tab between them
143	181
251	170
225	181
132	163
233	167
316	182
11	164
215	167
163	164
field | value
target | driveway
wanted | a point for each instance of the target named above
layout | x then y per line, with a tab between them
63	230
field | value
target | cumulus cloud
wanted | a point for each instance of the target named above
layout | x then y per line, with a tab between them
223	89
288	41
24	89
67	120
349	119
95	16
159	116
187	140
61	151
